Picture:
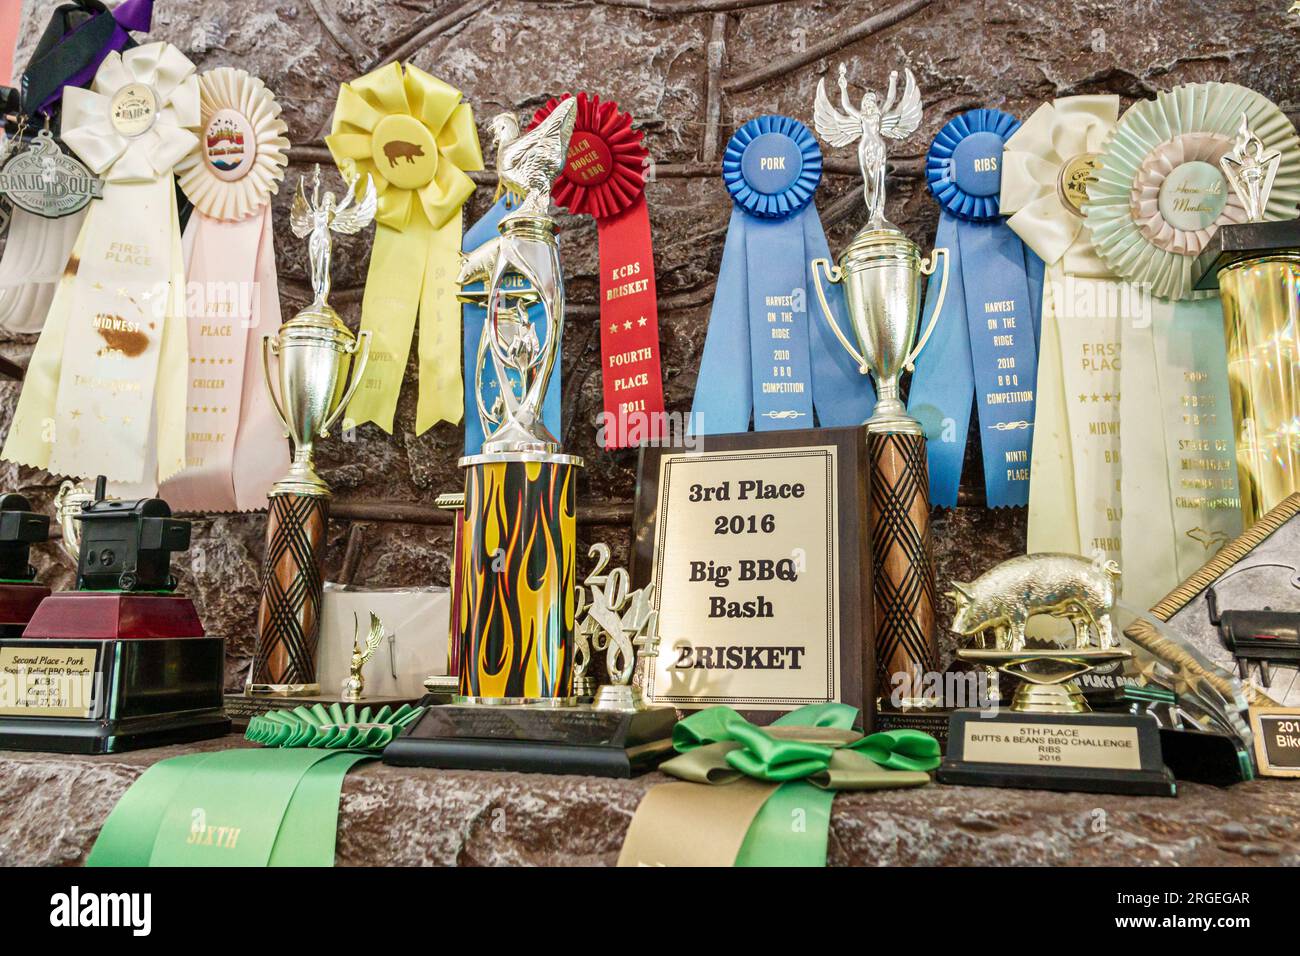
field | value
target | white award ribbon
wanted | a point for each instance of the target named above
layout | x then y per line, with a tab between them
105	390
1074	497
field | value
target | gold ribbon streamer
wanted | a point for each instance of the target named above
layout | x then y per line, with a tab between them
414	137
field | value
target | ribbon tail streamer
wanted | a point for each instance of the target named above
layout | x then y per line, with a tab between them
943	382
723	395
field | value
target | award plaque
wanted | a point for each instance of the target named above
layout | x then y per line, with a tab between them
757	546
1277	740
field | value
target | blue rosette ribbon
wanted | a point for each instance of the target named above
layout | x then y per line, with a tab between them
486	388
762	356
985	342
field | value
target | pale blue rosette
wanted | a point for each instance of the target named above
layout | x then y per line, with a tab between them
1159	194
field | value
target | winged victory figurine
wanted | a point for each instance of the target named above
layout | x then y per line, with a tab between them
319	217
355	684
869	124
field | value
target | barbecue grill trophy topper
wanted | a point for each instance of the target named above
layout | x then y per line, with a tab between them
881	271
1048	738
123	661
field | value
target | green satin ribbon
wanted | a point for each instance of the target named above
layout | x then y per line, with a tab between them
334	728
810	753
230	808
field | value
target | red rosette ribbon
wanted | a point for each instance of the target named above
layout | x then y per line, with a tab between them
605	178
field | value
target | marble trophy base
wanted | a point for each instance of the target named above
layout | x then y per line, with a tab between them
18	602
536	739
241	708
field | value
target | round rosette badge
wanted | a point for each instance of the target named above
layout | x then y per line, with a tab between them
772	167
242	146
604	177
1160	195
1048	166
232	432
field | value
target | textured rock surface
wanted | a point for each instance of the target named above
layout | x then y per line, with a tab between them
55	805
654	59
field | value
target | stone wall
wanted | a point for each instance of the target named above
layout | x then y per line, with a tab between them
689	71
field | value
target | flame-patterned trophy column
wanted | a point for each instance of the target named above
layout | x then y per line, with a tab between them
315	351
881	271
517	560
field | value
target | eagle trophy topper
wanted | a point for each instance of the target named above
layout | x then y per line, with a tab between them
869	124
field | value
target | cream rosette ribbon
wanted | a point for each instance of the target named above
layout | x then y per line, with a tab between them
412	135
1158	198
105	390
1074	498
235	447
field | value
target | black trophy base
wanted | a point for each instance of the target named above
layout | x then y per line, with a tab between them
74	736
931	721
241	708
101	697
1086	753
565	740
1237	242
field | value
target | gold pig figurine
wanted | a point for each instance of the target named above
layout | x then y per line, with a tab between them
1080	589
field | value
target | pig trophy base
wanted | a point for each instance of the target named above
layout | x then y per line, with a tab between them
1048	739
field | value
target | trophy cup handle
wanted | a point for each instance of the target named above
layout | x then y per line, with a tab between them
927	268
358	370
268	345
834	274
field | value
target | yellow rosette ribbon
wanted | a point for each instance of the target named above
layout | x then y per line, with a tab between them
414	137
105	391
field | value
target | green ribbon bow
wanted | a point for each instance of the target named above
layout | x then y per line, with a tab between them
333	728
807	755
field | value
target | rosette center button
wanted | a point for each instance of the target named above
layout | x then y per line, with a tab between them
772	163
404	151
977	164
590	162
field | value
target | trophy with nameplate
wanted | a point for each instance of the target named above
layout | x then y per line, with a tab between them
881	271
1048	738
123	661
1255	265
516	708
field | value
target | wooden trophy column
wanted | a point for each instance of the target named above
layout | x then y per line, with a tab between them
903	562
288	617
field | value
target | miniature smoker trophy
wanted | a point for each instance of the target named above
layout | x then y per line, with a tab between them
1255	265
517	708
315	351
123	661
881	272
